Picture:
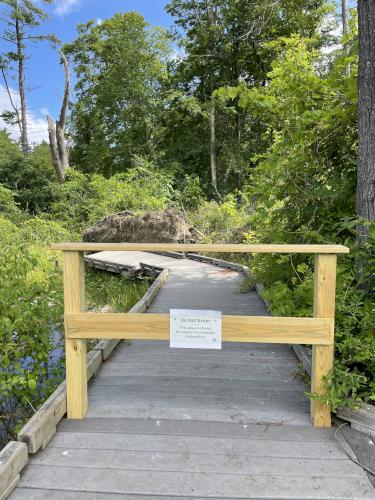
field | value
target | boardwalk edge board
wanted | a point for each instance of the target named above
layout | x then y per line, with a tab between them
363	419
41	427
13	458
208	260
220	263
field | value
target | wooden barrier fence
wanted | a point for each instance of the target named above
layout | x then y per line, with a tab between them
317	330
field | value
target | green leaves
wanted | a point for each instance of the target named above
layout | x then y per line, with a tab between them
303	185
84	198
32	384
30	302
120	66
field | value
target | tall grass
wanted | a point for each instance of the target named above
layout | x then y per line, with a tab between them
118	292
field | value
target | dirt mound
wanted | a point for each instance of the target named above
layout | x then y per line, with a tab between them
168	226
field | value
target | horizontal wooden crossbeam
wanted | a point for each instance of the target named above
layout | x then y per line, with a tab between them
198	247
315	331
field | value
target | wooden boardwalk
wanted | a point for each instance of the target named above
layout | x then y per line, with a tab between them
176	424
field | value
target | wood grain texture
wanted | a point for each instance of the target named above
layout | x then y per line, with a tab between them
322	356
36	431
200	247
213	429
167	424
13	458
76	370
181	461
234	328
363	417
196	484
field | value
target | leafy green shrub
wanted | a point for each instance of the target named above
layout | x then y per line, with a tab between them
303	187
218	221
190	195
39	231
83	199
30	302
72	206
31	307
32	179
8	207
289	289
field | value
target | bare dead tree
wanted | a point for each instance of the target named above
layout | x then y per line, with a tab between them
19	19
56	131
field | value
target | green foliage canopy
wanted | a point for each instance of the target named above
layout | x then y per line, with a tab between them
120	65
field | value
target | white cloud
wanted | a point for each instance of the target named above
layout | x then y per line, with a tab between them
36	121
63	7
99	21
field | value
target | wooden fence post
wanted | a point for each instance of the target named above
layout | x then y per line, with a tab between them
322	356
76	372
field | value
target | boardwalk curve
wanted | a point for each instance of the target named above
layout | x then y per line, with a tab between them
191	423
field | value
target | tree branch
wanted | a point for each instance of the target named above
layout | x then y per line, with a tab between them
11	99
8	40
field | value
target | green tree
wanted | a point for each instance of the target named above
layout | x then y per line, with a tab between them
304	182
119	66
303	187
20	18
225	43
31	178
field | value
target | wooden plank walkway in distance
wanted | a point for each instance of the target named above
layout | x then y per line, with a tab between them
178	424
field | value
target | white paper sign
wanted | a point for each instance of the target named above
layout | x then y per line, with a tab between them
195	329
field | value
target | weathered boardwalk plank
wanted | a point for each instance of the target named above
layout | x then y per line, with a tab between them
172	424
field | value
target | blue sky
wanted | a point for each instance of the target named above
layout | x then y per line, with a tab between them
44	74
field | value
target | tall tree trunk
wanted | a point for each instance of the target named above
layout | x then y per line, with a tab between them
21	88
56	132
238	130
212	16
212	118
61	123
238	142
55	150
365	196
344	20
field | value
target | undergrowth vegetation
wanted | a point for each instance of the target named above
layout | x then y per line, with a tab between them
304	187
31	309
285	154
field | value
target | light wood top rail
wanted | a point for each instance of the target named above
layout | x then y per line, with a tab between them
200	247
